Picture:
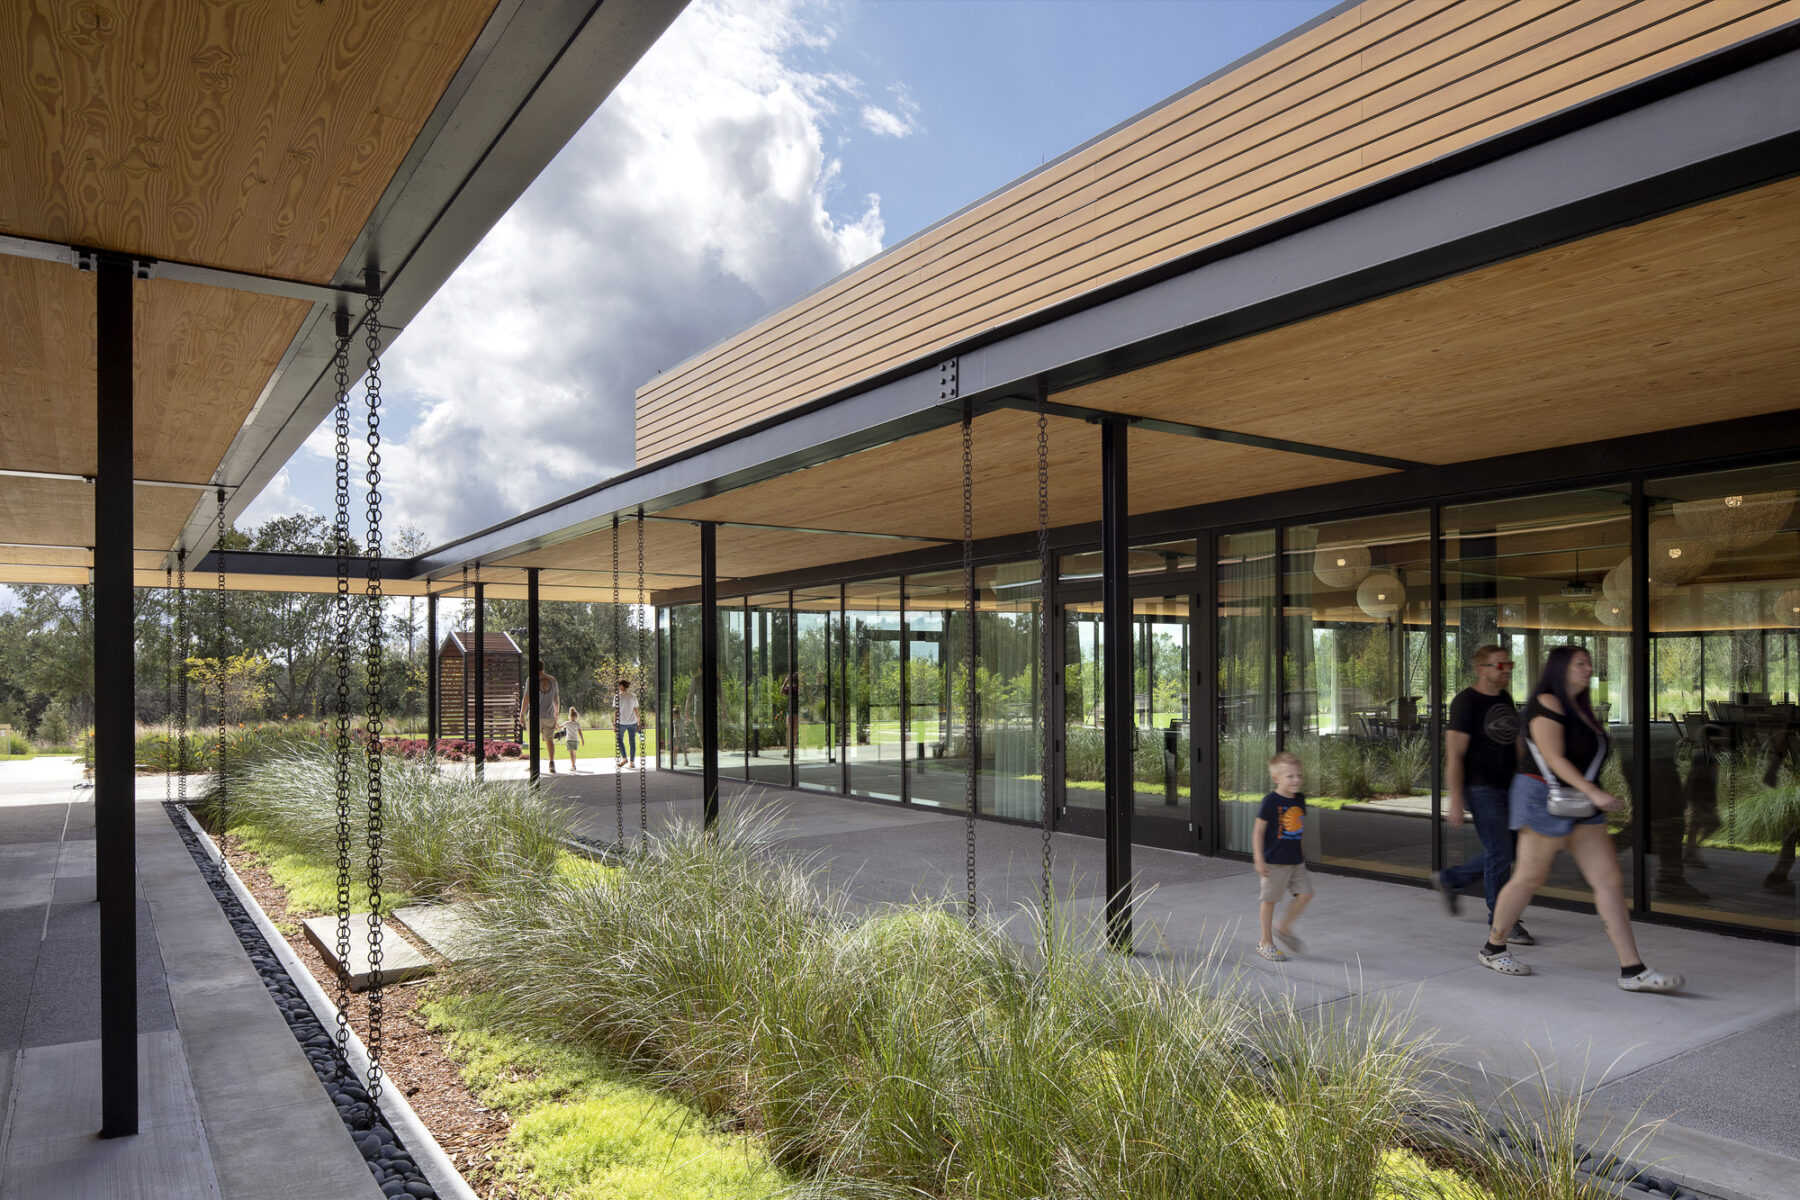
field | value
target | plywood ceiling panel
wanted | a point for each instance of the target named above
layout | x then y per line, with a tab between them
1690	318
203	355
262	134
59	512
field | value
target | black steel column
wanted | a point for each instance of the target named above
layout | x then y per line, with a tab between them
115	783
480	652
1121	726
431	674
1434	695
709	673
533	729
1643	804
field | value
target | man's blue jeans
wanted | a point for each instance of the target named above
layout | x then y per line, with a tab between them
1487	808
628	741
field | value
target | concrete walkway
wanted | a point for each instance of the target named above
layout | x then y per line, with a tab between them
229	1107
1719	1061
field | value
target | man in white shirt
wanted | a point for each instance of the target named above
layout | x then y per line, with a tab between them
625	723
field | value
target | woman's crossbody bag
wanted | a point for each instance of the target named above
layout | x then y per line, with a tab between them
1563	800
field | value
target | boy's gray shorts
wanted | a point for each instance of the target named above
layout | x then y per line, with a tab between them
1285	878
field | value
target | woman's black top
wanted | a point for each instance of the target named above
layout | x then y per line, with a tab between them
1583	745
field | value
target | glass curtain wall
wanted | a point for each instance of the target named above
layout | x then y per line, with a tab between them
1247	640
1356	689
932	780
877	752
1534	573
734	712
769	738
818	708
1724	581
679	703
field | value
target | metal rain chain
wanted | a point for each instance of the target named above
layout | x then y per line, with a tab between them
968	516
341	706
618	737
181	682
219	645
1044	581
643	675
372	751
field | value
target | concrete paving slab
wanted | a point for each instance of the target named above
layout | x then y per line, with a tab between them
440	926
34	822
27	873
166	1163
313	1156
21	933
56	1100
400	961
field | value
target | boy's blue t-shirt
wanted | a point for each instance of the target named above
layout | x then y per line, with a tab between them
1286	817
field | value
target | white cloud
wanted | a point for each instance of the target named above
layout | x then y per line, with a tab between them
692	204
277	499
887	122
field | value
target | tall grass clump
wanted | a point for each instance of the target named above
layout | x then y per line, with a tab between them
444	834
907	1054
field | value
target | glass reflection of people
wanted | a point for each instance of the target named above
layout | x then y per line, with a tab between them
1565	742
790	691
1782	749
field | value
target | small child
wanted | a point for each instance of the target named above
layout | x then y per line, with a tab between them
1276	844
571	736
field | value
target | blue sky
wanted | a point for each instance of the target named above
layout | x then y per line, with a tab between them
761	148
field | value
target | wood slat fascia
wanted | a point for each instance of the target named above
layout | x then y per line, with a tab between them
657	435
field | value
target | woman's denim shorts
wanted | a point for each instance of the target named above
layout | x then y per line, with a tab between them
1527	809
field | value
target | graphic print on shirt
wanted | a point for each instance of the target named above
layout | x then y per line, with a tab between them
1500	724
1293	823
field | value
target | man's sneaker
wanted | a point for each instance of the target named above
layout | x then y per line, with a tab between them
1648	980
1451	900
1271	953
1503	962
1520	936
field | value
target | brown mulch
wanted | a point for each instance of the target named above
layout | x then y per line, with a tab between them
415	1061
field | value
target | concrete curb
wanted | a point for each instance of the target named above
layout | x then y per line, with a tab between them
424	1148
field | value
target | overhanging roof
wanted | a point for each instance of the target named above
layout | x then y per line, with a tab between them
255	160
1639	254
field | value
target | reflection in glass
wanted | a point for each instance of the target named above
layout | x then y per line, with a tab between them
1724	630
816	707
734	713
1247	641
1356	690
1532	574
768	744
876	752
680	700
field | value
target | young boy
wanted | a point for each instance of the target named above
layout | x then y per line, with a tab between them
1276	844
571	736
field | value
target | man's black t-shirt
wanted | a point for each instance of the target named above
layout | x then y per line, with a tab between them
1492	723
1286	817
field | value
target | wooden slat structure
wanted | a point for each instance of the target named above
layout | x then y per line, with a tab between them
1370	91
502	671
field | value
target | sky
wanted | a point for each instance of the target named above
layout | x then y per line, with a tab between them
759	149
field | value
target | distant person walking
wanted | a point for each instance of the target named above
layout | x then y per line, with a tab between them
625	723
1557	803
549	708
1480	756
571	736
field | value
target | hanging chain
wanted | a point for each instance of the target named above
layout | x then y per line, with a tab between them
643	687
181	682
372	751
341	700
968	516
618	735
169	700
462	720
219	646
1045	576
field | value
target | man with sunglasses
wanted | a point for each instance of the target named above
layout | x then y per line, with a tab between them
1480	757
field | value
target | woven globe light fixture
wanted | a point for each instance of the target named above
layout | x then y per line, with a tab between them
1736	522
1675	556
1616	613
1341	566
1787	607
1616	585
1381	595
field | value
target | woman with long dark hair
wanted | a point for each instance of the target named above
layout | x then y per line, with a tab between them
1557	803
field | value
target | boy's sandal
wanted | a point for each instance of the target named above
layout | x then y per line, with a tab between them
1271	953
1291	942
